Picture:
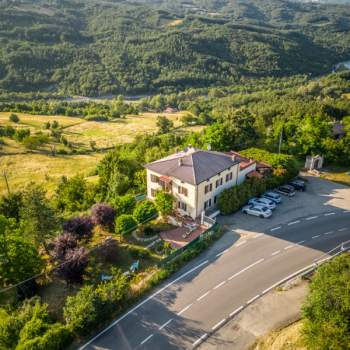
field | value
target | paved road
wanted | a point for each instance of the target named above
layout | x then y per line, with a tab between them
199	298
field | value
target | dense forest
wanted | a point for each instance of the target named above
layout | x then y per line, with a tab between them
134	47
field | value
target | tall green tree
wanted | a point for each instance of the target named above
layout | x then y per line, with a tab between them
39	221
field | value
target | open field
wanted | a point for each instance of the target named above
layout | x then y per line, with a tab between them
43	168
23	165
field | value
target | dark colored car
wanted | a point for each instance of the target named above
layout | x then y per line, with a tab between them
298	185
286	190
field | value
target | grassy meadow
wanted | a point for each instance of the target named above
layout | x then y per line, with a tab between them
23	165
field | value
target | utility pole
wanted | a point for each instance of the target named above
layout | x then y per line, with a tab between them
280	142
4	173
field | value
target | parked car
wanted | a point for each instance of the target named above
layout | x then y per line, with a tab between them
298	185
263	202
272	196
286	190
257	210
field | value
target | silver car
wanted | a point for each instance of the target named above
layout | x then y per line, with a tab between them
257	210
272	196
263	202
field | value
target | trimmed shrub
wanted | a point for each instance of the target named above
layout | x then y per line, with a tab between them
103	214
124	204
144	211
124	224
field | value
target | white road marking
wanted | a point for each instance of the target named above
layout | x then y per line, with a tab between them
165	324
203	296
241	243
236	311
314	237
328	214
311	218
200	339
184	309
276	252
245	269
289	246
329	233
219	285
219	324
142	303
147	339
258	235
294	222
300	242
276	228
342	229
346	211
253	299
223	252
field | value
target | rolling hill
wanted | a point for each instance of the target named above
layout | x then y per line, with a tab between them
132	47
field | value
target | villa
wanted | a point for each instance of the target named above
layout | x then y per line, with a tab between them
194	177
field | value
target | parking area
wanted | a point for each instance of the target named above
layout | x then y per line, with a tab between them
321	196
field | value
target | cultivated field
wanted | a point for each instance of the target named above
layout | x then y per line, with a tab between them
23	165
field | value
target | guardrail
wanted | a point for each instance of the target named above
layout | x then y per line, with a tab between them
339	249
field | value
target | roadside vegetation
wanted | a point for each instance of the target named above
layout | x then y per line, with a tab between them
325	313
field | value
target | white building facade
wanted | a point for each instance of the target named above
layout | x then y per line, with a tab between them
194	177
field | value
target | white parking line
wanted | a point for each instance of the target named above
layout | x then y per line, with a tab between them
253	299
225	251
328	214
276	252
245	269
184	309
289	246
236	311
219	324
147	339
342	229
329	233
165	324
311	218
241	243
314	237
294	222
258	235
346	211
203	296
276	228
200	339
219	285
300	242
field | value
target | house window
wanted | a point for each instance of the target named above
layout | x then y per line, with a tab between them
154	178
182	206
183	190
153	192
229	177
208	188
218	183
215	199
207	204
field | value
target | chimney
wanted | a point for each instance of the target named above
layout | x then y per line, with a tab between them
233	157
180	161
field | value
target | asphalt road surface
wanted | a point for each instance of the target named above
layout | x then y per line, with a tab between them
198	299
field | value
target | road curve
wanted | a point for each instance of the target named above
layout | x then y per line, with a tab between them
200	297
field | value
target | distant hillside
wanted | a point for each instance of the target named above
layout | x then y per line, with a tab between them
95	47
